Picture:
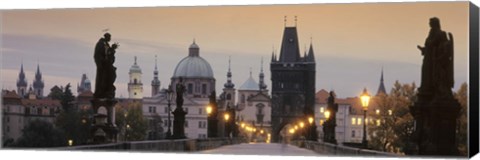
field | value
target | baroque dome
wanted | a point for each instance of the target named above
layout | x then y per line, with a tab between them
193	66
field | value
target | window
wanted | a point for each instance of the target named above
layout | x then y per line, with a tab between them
135	81
152	109
353	133
200	111
186	109
202	124
186	124
190	88
165	122
229	96
322	109
359	121
243	98
166	109
204	88
353	121
321	122
8	118
39	111
199	124
8	128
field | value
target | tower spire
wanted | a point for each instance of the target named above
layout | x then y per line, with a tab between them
135	57
381	87
229	83
155	81
261	77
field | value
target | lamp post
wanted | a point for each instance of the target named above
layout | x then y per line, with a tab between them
169	101
365	98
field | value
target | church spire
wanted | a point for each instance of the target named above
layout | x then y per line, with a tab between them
38	84
229	83
21	83
262	84
155	81
381	87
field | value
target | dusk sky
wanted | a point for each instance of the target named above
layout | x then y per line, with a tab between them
352	42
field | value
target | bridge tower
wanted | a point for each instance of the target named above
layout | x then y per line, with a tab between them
293	83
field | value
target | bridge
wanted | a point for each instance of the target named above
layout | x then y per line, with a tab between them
234	146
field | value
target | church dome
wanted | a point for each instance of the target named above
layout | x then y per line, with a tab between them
193	66
249	84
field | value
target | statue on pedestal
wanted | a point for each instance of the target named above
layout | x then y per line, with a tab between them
436	110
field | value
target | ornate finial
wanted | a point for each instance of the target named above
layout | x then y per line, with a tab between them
250	71
261	66
155	62
193	40
135	57
285	21
229	63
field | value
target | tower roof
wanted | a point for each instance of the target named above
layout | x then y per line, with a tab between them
135	68
22	81
311	56
249	84
289	51
229	83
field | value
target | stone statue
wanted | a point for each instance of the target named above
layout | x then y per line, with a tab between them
180	89
104	57
437	69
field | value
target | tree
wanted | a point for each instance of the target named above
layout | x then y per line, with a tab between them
156	127
73	122
56	93
39	133
130	121
461	130
391	128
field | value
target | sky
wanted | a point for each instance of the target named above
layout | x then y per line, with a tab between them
352	42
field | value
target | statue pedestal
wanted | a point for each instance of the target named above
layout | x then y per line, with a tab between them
435	126
179	123
104	129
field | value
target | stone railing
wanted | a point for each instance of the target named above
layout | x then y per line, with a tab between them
181	145
333	149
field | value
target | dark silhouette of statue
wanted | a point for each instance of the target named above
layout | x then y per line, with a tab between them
437	69
331	122
104	57
435	110
180	89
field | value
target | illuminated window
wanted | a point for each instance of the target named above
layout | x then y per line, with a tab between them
353	121
322	109
321	122
378	122
359	121
377	111
390	112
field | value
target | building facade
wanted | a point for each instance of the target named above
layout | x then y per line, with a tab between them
135	86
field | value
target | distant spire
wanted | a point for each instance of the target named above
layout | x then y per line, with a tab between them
135	57
261	77
381	87
155	62
229	83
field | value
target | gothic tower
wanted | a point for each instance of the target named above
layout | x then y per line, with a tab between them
293	83
229	88
22	83
155	81
38	84
135	86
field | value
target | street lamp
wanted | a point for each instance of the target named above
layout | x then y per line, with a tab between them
226	116
327	114
365	99
209	110
169	101
310	120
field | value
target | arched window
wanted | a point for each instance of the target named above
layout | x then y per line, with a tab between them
135	81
